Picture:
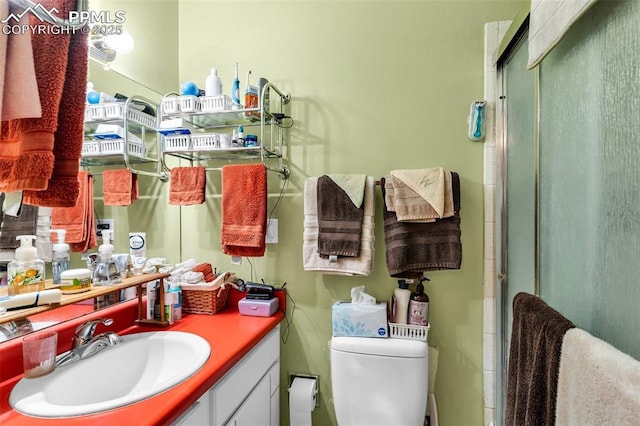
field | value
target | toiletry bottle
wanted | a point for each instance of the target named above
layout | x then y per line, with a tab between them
419	305
26	272
151	299
60	256
177	300
401	302
235	89
213	85
250	97
107	271
240	137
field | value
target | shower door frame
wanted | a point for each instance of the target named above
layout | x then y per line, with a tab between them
514	39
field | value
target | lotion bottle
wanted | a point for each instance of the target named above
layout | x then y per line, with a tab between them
400	302
60	257
213	84
419	305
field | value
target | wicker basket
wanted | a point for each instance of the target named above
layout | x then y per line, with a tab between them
209	301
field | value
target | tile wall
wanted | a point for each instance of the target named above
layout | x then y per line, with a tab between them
494	32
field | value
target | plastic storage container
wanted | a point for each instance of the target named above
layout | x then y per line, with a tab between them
258	308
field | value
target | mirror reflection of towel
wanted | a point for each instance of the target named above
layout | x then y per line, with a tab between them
12	226
187	185
120	187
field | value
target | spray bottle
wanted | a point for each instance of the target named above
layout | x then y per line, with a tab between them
60	260
26	271
235	88
107	271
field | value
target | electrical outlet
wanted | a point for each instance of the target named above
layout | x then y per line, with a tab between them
272	231
104	224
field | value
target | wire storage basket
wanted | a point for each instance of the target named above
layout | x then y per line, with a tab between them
205	141
215	103
177	143
112	147
409	331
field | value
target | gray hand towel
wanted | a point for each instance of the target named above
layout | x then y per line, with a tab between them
339	221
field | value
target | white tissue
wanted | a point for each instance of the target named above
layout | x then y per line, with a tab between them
187	264
193	277
359	296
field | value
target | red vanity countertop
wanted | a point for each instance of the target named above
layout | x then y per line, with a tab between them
230	335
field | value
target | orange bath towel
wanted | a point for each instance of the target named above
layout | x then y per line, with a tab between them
120	187
18	86
244	209
78	220
187	185
62	189
41	154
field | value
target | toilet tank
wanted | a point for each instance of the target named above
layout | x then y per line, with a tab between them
379	381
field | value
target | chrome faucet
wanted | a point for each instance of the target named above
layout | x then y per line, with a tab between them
86	344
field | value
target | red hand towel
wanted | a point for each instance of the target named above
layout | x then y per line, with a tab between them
244	209
187	185
120	187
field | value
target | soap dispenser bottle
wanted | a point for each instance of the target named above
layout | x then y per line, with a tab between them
400	302
107	271
26	272
419	305
60	257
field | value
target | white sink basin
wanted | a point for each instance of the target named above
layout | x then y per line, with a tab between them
144	365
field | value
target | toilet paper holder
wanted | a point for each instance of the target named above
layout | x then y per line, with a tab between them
293	375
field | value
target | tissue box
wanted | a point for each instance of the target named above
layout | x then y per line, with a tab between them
359	319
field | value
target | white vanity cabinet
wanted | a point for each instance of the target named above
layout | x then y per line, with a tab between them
247	395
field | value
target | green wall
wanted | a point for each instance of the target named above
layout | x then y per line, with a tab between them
376	86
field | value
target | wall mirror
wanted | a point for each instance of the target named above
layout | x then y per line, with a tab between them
150	70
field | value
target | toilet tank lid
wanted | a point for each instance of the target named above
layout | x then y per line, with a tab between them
380	346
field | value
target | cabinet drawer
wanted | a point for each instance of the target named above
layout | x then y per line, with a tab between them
235	386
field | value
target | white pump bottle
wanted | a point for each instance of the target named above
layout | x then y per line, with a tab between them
60	259
107	271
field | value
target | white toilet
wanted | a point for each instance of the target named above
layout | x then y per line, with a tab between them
379	381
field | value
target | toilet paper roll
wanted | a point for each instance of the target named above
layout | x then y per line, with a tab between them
302	401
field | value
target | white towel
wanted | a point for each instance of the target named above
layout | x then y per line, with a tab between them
548	22
349	266
597	383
